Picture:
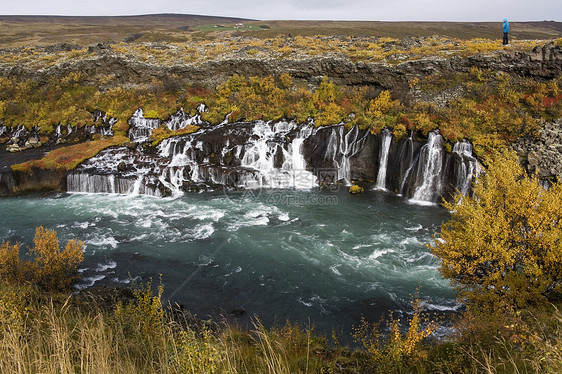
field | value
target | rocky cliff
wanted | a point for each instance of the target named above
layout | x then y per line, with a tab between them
542	62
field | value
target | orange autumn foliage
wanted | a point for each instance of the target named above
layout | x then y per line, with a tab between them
49	267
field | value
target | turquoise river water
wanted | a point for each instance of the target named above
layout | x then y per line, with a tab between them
325	256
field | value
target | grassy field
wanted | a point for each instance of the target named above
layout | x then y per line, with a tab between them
16	31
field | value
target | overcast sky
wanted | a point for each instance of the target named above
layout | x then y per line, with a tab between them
375	10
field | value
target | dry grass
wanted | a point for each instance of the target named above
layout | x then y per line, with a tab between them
116	332
17	31
68	158
57	335
164	132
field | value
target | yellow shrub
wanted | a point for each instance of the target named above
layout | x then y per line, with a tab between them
151	114
285	81
398	348
50	268
10	262
53	268
502	244
356	189
145	312
197	353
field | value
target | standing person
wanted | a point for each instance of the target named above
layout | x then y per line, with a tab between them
505	31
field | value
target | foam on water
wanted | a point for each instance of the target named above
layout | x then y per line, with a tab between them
378	253
414	228
104	242
104	267
88	282
203	231
296	262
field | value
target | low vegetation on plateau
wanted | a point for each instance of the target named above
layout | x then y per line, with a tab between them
501	249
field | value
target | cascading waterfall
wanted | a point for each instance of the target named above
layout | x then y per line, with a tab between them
98	175
20	131
341	147
141	127
181	119
383	157
429	173
295	164
468	167
272	155
108	131
406	151
264	160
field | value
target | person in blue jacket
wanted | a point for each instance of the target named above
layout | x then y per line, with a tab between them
505	31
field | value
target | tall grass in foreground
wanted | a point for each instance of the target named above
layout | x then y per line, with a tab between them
77	334
57	335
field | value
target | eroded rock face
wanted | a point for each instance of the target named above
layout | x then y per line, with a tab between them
543	156
543	62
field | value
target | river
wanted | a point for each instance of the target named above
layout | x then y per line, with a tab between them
328	257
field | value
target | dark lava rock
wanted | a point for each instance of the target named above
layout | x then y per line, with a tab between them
237	312
122	166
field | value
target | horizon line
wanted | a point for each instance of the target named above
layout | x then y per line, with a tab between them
264	20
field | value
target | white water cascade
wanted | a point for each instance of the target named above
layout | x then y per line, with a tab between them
342	145
468	167
20	131
141	127
282	154
263	161
136	181
181	119
383	157
430	167
409	149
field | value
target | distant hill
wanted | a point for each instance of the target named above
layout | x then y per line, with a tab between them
148	19
42	30
18	31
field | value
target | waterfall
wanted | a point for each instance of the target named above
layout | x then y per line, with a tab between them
3	130
100	174
281	154
109	183
406	157
383	157
20	132
108	130
341	147
468	167
181	119
269	155
430	165
302	177
140	127
275	163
